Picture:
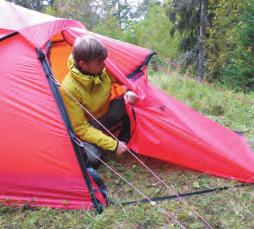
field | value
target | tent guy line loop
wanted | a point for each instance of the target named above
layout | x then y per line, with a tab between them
148	200
129	151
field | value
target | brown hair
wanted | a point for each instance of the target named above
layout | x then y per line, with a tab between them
88	49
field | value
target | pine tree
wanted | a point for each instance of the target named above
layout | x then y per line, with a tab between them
185	15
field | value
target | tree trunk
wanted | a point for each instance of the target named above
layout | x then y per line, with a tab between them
119	14
201	56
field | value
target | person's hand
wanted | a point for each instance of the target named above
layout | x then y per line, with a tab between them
121	148
131	97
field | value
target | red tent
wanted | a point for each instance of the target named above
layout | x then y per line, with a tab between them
39	162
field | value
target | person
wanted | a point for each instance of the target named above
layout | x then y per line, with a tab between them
90	84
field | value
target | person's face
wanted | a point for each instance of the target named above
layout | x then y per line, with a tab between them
93	67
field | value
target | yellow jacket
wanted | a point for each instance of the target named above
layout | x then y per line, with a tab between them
93	92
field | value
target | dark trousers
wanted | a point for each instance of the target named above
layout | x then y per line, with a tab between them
115	115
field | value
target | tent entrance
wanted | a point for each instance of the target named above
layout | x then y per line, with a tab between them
53	60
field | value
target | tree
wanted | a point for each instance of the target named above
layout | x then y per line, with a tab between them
124	12
33	4
153	32
120	18
109	26
224	17
238	71
202	29
86	11
185	16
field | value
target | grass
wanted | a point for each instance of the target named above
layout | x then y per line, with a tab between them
228	209
233	110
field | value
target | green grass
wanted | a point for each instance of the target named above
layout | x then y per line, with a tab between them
229	209
233	110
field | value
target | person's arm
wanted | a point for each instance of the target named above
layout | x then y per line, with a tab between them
82	128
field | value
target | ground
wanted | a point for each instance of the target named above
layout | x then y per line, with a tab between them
233	208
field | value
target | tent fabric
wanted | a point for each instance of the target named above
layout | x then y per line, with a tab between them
38	163
175	133
20	17
126	58
167	129
123	58
36	27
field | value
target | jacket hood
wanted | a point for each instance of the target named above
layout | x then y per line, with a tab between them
86	80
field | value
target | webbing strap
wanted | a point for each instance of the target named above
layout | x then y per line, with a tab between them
137	73
187	194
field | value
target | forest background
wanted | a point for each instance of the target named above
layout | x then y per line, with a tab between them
180	31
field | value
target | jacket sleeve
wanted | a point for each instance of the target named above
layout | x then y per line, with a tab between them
82	128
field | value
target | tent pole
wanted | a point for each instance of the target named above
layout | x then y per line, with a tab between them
46	67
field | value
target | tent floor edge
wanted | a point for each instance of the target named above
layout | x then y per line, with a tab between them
54	88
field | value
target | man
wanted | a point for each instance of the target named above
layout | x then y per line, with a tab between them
90	84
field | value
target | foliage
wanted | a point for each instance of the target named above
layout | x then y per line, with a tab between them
88	11
116	21
184	14
154	32
221	34
238	71
33	4
229	58
109	27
